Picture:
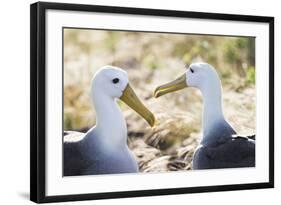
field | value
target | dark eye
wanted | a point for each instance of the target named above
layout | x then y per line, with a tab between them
115	80
191	70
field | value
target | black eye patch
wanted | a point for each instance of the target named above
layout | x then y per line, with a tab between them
115	80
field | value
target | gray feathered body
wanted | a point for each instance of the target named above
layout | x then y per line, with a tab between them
87	156
233	152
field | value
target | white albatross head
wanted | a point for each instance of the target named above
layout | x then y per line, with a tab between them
112	82
202	76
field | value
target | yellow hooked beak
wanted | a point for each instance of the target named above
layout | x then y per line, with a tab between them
130	98
175	85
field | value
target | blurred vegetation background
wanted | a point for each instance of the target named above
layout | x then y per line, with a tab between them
152	59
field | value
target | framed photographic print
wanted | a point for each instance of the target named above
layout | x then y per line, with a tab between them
129	102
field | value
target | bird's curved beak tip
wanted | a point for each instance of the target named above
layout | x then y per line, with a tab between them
156	92
153	122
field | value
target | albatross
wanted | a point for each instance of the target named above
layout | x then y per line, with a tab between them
220	146
103	149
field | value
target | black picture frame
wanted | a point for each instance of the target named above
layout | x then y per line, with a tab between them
38	100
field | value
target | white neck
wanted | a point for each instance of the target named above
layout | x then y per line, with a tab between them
214	125
212	110
111	128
